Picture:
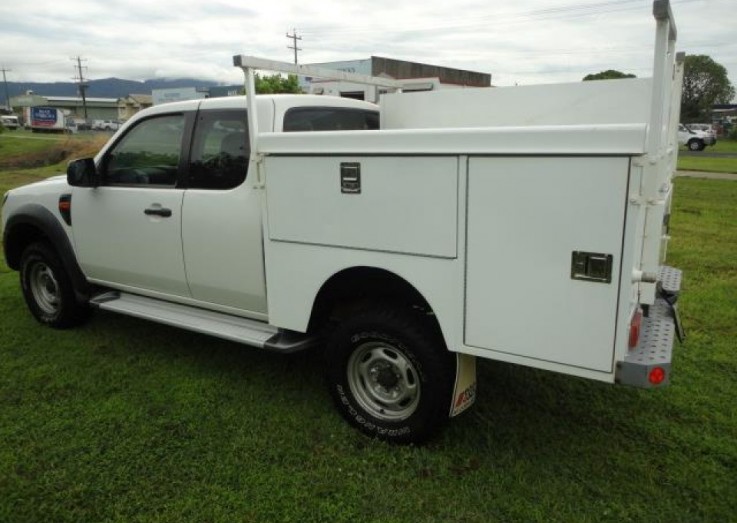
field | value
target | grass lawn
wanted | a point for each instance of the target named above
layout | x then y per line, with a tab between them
724	145
124	420
704	163
718	165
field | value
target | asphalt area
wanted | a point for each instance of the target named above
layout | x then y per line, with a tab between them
703	174
706	154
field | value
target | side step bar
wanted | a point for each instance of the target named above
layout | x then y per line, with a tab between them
226	326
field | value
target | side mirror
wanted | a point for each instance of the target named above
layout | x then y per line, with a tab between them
82	173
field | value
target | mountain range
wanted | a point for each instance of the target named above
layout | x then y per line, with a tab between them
102	88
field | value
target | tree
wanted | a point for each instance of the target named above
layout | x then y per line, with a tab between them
705	83
275	84
609	74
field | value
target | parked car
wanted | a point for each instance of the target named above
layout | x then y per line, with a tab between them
105	125
693	139
708	128
10	122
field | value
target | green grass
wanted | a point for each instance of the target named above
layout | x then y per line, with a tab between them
26	157
718	165
704	163
124	420
723	145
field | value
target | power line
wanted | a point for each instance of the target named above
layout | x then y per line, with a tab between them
294	39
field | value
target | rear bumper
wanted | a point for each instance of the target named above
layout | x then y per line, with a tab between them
657	335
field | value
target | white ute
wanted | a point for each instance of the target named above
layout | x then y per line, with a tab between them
524	224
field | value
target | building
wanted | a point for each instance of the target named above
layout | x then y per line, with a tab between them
72	106
418	77
97	108
161	96
131	104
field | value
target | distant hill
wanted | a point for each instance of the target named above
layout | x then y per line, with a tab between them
103	88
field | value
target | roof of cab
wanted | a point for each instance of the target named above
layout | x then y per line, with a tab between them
279	101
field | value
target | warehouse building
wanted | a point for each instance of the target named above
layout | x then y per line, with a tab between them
97	108
416	76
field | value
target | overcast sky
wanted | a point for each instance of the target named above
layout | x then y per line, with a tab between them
525	42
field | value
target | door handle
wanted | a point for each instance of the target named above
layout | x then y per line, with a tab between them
157	211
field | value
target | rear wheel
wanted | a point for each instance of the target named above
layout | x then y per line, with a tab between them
47	288
390	374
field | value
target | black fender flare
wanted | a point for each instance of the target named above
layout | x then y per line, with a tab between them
41	219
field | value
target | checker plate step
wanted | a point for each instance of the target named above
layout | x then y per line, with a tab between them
670	279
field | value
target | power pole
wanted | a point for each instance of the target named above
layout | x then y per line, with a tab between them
81	85
294	39
5	81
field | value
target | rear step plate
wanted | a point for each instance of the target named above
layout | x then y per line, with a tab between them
226	326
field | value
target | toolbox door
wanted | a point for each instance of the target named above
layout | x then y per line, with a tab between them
544	249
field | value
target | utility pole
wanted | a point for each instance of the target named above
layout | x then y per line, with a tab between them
5	81
294	39
81	85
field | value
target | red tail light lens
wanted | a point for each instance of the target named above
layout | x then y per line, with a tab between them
656	376
635	329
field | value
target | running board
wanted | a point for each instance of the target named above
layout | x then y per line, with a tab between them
226	326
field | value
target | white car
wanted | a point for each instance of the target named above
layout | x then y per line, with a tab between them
705	127
105	125
10	122
695	140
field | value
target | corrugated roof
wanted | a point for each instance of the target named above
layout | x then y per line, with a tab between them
78	99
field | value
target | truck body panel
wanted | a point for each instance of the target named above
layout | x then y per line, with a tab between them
308	193
599	102
526	216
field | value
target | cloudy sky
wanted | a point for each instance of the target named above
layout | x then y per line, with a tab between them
525	42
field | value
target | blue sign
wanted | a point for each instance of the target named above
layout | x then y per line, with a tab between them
43	116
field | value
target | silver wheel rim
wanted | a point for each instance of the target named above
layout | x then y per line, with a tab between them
384	381
44	288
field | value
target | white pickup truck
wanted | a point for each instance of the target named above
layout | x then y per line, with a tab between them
695	139
525	225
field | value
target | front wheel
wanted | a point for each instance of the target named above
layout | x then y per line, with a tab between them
695	145
390	374
47	288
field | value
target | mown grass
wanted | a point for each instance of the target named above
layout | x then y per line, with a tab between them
709	164
723	145
124	420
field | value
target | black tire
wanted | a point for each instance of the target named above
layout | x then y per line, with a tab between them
380	354
695	145
48	290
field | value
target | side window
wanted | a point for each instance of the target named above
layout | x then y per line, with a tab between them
148	154
329	119
220	150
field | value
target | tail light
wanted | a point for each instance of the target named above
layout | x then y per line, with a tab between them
635	326
656	375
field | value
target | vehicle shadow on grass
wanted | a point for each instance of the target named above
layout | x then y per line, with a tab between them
519	410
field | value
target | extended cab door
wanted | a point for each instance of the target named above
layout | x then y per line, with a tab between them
127	231
221	227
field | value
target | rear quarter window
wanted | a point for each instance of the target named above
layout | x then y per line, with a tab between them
329	119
